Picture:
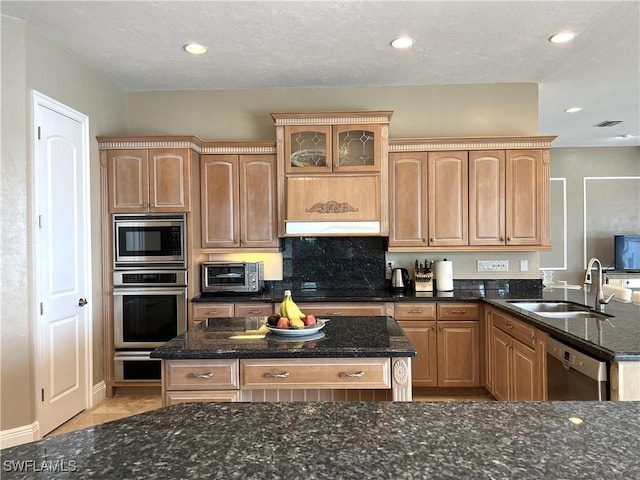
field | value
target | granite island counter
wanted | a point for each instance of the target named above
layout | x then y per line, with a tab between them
237	359
347	440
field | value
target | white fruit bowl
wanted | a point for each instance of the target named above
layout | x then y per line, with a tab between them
298	332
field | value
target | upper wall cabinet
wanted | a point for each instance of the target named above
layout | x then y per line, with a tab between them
471	199
144	180
332	173
238	199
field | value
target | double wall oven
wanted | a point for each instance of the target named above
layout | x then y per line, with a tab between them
149	291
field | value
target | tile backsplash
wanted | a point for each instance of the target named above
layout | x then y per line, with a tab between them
329	263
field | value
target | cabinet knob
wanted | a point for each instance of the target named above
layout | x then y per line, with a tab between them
431	239
502	239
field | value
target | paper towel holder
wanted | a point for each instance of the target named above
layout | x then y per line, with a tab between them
444	268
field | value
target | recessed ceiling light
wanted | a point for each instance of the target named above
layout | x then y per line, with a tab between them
573	109
562	37
195	48
402	42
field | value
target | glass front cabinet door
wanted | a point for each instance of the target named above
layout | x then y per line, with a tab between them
338	148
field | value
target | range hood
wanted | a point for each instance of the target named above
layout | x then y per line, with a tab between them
333	228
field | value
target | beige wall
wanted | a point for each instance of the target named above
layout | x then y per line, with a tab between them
30	61
422	111
610	205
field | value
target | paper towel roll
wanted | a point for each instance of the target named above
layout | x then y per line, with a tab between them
621	294
444	275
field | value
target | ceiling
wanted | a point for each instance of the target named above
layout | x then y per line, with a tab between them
268	44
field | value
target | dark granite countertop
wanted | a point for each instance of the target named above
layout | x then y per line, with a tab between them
348	440
617	338
242	337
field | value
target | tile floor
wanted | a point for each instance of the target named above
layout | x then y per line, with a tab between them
121	406
108	410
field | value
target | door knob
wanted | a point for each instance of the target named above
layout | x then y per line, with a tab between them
82	302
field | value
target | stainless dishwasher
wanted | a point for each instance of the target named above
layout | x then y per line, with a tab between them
573	375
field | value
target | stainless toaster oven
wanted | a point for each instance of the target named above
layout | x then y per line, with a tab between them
232	277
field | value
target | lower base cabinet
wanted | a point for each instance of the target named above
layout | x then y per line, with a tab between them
447	338
307	379
516	358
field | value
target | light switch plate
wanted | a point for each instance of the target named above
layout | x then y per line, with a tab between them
493	265
524	265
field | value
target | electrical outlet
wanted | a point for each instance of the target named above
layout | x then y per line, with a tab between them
493	265
391	263
524	265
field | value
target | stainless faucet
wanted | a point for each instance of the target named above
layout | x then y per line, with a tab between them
600	301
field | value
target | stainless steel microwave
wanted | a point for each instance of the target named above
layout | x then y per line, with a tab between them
149	241
232	276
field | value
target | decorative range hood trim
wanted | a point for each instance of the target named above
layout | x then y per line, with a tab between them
333	228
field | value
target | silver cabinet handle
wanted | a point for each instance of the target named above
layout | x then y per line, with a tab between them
255	312
276	375
351	375
415	311
458	311
509	326
335	313
201	375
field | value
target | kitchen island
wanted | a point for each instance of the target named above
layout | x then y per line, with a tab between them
238	359
347	440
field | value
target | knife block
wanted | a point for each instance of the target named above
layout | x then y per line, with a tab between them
423	282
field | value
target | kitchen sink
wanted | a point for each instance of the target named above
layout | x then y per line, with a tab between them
559	309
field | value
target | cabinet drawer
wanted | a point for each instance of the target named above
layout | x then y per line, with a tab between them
516	329
458	311
346	309
175	397
254	309
417	311
212	310
201	374
316	373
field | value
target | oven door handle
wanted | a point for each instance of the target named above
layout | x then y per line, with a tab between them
149	290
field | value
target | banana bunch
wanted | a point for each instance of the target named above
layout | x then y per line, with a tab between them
289	309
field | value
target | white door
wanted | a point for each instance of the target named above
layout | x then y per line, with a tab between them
61	206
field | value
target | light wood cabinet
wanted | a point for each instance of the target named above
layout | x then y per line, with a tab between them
149	180
487	197
526	205
454	193
200	311
315	373
516	359
238	201
326	148
200	381
408	200
447	338
344	309
333	170
448	198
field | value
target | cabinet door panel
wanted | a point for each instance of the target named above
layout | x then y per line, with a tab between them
500	345
169	177
307	148
408	199
448	198
258	201
524	373
524	174
128	180
356	148
219	202
424	366
458	354
487	198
